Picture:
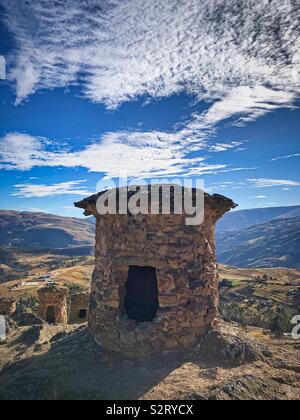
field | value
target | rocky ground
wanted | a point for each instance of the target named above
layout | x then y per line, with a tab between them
58	363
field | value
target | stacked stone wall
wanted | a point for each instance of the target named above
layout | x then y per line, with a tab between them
184	258
78	303
7	307
57	297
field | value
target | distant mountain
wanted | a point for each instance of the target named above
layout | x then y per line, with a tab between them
242	219
274	243
271	244
44	231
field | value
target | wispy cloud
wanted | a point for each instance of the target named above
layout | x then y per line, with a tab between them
267	183
119	50
22	151
285	157
34	210
139	154
223	147
260	197
41	191
242	56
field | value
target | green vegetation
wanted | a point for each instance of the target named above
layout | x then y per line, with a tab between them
229	284
75	288
274	318
281	323
28	304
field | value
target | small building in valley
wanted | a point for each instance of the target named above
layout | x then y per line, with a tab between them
155	285
59	305
78	308
8	306
53	303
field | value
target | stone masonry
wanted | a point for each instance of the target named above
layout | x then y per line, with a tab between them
79	304
53	304
184	260
8	306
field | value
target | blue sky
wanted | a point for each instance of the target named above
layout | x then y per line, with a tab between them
173	90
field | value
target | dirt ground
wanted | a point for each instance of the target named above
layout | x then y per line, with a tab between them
58	364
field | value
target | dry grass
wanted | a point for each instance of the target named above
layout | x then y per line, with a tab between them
50	373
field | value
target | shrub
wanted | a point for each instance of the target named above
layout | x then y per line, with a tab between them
75	288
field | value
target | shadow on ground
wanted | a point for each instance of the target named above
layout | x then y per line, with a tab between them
72	367
75	368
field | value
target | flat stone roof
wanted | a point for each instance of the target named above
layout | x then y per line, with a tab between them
215	201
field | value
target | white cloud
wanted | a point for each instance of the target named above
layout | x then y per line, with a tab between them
70	208
248	102
285	157
119	50
243	56
40	191
271	204
223	147
22	151
34	210
267	183
139	154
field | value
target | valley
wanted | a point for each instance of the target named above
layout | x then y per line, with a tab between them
260	358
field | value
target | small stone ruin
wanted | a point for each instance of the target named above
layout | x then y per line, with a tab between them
53	304
155	284
58	306
78	310
8	306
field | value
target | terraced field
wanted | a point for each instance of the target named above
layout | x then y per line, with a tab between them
257	297
79	274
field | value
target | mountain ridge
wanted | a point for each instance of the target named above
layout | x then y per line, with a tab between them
271	243
33	230
275	243
241	219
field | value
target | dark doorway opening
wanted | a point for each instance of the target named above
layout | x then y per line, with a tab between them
82	314
141	302
50	315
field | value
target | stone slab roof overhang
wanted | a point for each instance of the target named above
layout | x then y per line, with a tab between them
216	201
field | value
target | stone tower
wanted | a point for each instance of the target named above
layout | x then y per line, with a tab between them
53	304
155	285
